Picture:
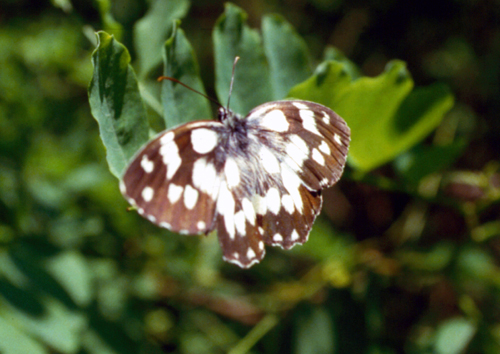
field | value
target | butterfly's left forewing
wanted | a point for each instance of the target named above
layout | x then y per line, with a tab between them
173	181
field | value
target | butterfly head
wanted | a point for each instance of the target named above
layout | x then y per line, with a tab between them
228	117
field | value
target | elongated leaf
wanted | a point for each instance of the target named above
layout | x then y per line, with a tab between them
15	341
385	116
286	53
181	105
152	30
116	103
232	37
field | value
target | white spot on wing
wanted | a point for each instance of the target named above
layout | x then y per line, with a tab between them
292	183
293	164
308	121
151	218
275	120
201	225
297	150
336	137
287	203
259	204
277	238
260	112
326	118
225	207
147	194
174	193
171	157
300	105
232	173
240	223
295	235
248	210
316	155
250	254
261	245
325	148
204	177
165	225
204	140
273	200
167	138
123	188
301	144
146	164
190	197
269	161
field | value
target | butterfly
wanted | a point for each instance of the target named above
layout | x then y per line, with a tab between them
257	179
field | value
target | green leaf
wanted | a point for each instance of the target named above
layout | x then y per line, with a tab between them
333	54
60	327
116	103
314	332
385	116
434	259
181	105
232	37
286	53
152	30
108	21
71	271
15	341
328	83
37	302
453	336
424	160
326	243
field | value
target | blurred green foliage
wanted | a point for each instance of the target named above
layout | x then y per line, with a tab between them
404	258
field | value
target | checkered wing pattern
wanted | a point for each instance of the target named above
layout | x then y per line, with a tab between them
257	179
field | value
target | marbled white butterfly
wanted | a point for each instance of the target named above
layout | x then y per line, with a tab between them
256	179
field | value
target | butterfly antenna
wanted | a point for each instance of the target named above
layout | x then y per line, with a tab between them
161	78
232	80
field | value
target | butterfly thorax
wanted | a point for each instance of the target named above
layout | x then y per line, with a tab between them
234	139
241	142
